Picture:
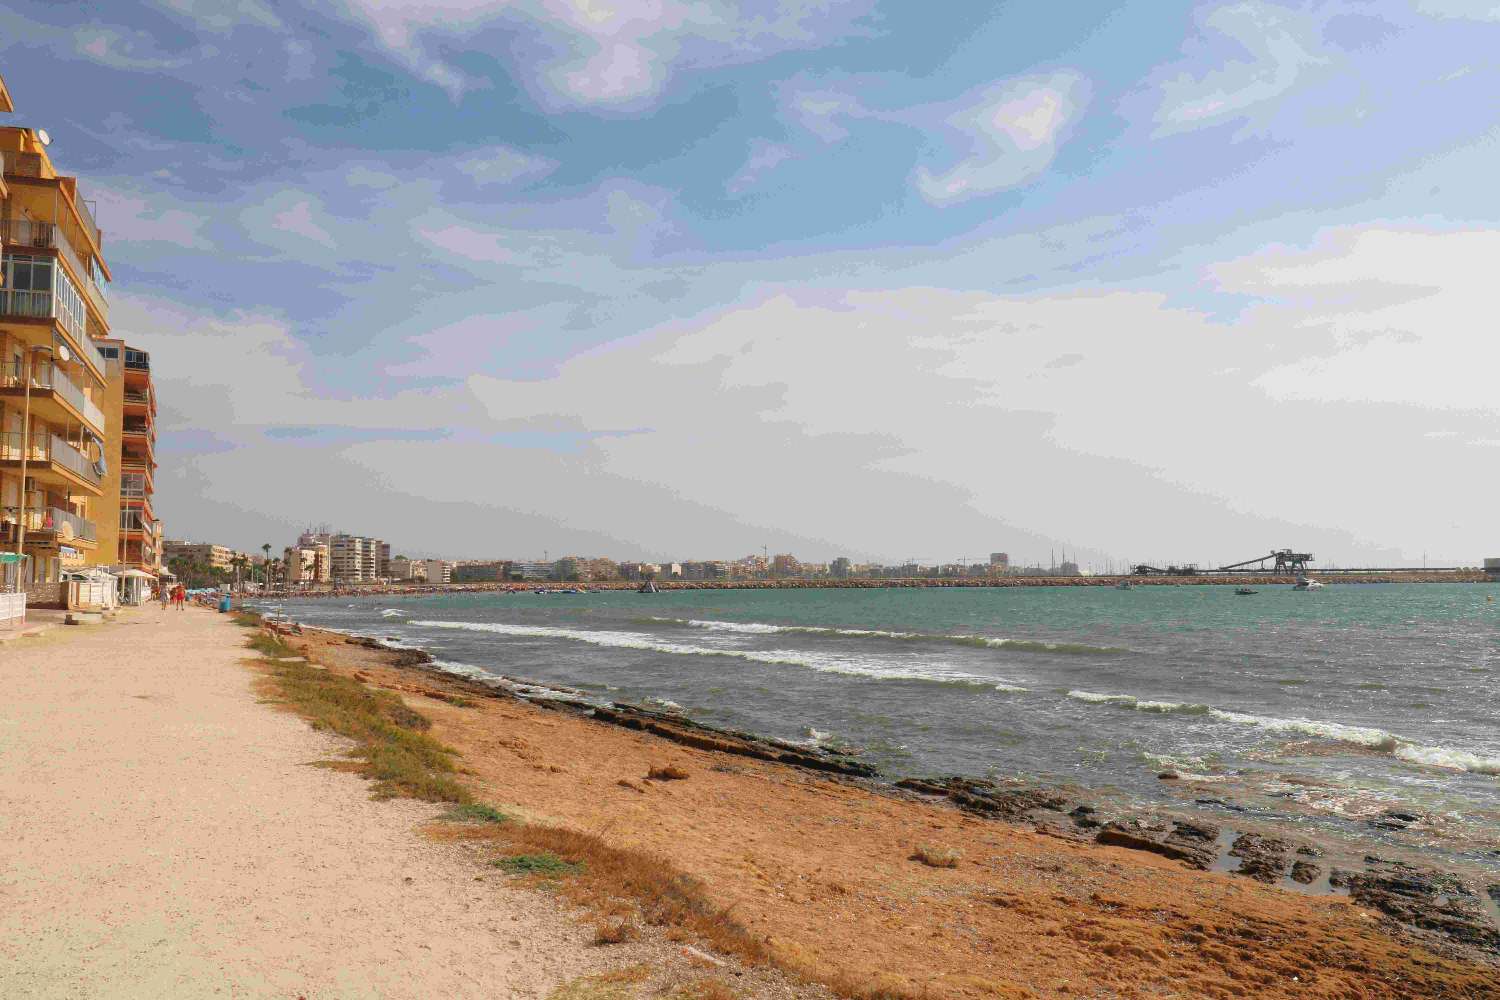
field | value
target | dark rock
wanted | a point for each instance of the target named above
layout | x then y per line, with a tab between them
1261	858
1310	852
1426	900
1183	843
1305	872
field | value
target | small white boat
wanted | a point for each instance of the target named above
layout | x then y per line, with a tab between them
1125	585
1307	583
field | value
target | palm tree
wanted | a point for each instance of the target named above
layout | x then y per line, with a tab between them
265	566
239	562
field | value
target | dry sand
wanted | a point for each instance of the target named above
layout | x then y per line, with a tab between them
160	836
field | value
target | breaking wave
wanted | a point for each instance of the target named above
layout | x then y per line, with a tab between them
983	641
1377	740
935	673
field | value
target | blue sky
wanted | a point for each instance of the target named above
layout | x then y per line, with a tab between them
665	279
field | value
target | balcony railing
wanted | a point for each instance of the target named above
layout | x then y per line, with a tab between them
30	233
139	360
48	376
53	519
45	447
43	305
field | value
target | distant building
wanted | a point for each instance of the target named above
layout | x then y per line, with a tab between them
479	572
358	558
402	568
1068	569
1492	566
437	571
529	571
839	568
1000	559
785	564
214	556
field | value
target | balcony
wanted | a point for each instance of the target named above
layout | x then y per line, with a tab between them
137	360
54	396
65	524
45	235
49	458
137	399
43	304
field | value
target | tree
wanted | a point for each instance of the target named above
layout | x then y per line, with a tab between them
265	566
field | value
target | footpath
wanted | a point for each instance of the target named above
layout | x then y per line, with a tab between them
161	835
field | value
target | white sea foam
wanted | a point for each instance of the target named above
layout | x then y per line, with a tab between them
824	663
1103	699
393	613
1375	739
991	641
1456	760
1362	736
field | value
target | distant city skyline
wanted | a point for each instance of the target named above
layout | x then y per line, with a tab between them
1163	281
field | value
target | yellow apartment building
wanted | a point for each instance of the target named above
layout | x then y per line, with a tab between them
52	375
77	410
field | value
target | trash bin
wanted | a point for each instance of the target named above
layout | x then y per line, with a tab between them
224	605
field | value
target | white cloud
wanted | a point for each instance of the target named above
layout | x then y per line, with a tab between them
299	219
224	15
764	157
127	217
1005	135
503	165
123	48
1214	87
613	52
1395	316
1474	10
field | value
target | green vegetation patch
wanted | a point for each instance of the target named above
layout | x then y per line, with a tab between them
390	738
270	645
545	863
475	812
246	619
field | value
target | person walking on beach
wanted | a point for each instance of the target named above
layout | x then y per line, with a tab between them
164	592
179	597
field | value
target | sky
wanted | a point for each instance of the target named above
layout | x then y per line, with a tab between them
658	279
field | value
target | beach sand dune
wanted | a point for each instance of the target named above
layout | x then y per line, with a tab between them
161	836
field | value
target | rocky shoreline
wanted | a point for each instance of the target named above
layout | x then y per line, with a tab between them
1441	908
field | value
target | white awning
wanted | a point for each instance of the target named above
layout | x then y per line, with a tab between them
136	574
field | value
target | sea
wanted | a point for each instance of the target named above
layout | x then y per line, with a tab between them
1366	716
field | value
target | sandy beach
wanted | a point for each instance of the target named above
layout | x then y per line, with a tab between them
162	836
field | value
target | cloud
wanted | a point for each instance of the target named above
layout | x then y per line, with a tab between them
131	218
764	157
224	15
1213	86
602	53
1395	316
503	165
1473	10
290	213
127	49
1004	135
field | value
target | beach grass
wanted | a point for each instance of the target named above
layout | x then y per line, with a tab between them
270	645
937	857
246	619
545	863
390	738
474	812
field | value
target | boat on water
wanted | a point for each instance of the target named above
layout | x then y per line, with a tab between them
1244	591
1306	583
1125	585
649	587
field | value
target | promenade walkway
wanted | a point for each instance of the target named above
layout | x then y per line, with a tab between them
161	836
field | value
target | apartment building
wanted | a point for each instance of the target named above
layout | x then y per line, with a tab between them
214	556
133	539
54	456
437	571
358	559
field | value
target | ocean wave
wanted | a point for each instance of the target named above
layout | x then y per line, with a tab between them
1367	737
821	662
392	613
983	641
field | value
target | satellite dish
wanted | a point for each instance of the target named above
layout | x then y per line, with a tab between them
64	353
43	137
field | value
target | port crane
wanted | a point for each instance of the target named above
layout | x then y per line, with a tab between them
1286	561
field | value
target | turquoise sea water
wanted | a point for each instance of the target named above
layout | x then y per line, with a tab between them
1325	710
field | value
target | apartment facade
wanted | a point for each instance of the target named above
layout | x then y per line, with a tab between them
358	558
133	539
54	456
214	556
